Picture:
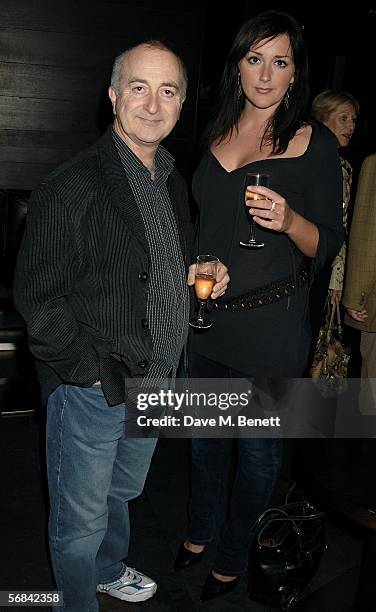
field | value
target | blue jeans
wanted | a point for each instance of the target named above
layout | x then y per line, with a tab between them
257	469
258	465
93	471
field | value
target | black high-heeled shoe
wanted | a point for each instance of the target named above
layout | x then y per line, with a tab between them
186	558
216	588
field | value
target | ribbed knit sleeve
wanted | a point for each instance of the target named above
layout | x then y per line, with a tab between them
46	271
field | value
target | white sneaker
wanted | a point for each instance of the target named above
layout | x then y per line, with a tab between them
131	586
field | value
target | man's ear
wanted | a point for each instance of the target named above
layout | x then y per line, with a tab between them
113	98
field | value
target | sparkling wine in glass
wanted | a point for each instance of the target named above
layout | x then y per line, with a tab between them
252	179
205	275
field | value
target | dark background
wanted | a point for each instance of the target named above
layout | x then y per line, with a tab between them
56	58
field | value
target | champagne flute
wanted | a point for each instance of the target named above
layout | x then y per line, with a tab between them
252	179
205	275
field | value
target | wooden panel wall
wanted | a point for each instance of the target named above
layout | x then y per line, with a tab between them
55	64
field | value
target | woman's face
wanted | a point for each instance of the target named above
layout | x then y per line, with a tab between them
266	72
342	122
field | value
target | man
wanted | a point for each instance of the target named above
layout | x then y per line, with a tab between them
101	283
360	282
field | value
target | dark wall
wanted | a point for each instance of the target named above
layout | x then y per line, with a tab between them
55	64
56	57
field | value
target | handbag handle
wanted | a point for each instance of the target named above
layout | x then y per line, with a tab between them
334	310
329	328
293	519
339	324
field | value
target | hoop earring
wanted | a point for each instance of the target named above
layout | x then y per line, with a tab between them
286	99
240	89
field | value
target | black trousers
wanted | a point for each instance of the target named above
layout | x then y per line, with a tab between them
212	510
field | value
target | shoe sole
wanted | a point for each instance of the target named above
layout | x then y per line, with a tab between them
141	596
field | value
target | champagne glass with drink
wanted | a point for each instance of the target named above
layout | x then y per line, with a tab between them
205	275
252	179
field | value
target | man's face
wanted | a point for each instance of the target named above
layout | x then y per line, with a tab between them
150	97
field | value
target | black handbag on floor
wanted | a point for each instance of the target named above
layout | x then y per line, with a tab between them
286	552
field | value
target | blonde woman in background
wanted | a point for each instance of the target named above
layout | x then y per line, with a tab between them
338	110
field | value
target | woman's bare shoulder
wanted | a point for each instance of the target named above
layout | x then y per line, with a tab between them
300	142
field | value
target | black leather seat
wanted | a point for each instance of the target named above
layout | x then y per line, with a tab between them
13	209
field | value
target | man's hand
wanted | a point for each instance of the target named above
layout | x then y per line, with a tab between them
357	315
222	279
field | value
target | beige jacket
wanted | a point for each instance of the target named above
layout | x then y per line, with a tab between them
360	280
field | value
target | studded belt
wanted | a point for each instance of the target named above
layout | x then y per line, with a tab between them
267	294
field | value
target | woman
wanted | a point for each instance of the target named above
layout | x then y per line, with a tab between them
338	110
260	127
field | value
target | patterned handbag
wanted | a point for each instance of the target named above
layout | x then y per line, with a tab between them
331	360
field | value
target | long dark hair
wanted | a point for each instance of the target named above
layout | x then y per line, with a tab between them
288	117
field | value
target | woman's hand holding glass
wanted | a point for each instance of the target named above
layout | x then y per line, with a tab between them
273	212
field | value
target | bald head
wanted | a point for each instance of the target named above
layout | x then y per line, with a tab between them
147	96
118	66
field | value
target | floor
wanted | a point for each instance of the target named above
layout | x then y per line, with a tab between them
158	525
